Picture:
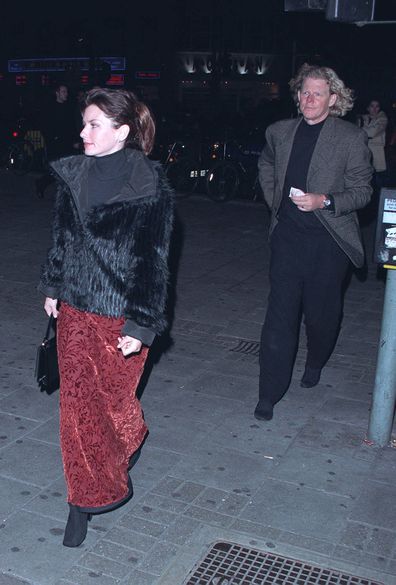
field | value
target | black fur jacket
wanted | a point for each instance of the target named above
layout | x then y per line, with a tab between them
112	260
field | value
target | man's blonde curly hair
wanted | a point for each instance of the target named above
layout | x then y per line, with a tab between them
344	101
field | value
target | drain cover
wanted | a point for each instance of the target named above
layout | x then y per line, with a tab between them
247	347
231	564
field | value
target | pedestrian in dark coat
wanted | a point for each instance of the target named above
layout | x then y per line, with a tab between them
60	133
105	279
315	173
59	127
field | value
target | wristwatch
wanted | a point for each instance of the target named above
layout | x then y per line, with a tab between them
326	203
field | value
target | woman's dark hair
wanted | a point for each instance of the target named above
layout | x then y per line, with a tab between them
123	107
375	99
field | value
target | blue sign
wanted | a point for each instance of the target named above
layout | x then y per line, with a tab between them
62	64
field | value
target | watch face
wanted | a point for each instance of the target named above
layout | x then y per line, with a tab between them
327	202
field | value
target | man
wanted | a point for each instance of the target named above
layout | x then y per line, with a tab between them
315	172
60	132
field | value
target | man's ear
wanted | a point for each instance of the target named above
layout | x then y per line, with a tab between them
333	99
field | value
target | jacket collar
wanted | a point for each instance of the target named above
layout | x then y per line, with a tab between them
142	181
321	153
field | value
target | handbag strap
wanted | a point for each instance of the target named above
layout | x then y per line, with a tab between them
49	326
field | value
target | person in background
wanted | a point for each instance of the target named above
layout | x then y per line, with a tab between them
315	173
59	129
375	123
105	280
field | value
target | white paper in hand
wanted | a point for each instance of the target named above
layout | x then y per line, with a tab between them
294	192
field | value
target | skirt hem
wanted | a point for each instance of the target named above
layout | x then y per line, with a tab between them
108	507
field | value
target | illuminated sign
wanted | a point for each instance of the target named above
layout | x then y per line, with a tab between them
62	64
147	75
115	79
385	235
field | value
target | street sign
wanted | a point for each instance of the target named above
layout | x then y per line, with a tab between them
147	75
385	236
46	64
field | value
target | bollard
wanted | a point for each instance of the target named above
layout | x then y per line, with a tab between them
384	394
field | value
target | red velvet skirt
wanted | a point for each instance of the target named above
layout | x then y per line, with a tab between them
101	421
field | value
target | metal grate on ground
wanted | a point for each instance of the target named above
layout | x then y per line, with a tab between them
247	347
232	564
206	333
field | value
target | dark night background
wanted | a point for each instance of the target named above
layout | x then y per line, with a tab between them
150	33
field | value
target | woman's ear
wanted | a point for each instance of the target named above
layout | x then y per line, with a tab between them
123	132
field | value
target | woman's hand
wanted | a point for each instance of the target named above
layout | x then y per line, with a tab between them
50	307
129	345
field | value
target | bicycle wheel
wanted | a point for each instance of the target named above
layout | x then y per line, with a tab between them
222	182
20	157
183	175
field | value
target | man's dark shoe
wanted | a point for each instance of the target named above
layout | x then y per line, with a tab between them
310	378
264	410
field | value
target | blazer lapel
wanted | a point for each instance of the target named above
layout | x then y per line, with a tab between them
323	152
284	149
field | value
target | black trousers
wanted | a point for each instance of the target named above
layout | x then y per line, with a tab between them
307	273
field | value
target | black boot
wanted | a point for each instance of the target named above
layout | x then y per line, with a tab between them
264	410
310	378
76	527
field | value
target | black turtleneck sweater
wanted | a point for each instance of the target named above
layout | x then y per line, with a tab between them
105	179
296	176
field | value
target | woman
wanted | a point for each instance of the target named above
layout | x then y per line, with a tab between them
105	279
374	123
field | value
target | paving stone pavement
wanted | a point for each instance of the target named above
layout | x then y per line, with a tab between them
304	485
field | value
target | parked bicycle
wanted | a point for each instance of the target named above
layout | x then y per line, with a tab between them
185	168
181	170
223	170
234	174
24	150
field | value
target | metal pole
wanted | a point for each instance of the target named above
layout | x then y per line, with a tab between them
384	395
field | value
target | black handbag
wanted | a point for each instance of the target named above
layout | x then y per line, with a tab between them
47	371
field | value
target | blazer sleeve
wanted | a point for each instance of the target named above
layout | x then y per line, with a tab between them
147	286
358	172
266	168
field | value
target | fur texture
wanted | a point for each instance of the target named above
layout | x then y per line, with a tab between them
113	261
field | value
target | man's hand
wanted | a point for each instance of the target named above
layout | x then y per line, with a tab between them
309	201
129	345
50	307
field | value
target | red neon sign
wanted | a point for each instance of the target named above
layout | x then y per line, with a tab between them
147	75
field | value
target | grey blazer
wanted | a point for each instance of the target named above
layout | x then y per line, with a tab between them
340	166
